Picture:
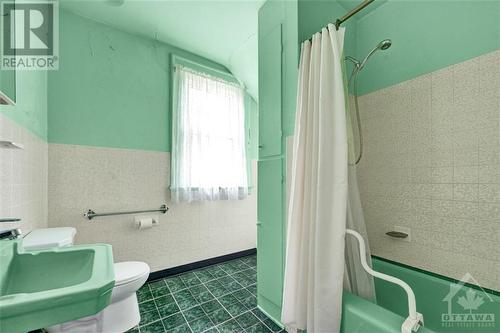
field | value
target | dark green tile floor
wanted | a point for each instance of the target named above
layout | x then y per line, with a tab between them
219	298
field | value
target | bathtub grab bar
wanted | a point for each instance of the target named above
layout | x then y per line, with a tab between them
415	319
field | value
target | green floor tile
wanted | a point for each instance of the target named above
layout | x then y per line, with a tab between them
173	321
236	309
217	272
230	326
258	328
164	300
253	289
201	324
180	329
159	292
193	313
204	275
147	306
208	300
228	300
155	327
149	317
241	294
198	289
187	303
168	310
249	272
192	282
219	316
204	297
175	284
233	286
144	296
240	265
250	261
247	319
212	330
250	302
211	306
157	284
268	322
272	325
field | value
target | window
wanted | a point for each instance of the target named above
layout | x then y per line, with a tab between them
208	142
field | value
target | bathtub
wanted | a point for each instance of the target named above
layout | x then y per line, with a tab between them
439	305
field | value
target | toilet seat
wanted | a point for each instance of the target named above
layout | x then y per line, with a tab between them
130	271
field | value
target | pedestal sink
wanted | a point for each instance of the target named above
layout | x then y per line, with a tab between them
43	288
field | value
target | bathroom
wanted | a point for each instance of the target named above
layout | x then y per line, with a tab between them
105	229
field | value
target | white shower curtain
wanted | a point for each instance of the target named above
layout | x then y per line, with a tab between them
314	274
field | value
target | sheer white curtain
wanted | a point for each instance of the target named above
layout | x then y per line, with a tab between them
208	139
314	273
357	280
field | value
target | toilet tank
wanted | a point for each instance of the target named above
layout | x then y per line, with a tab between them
41	239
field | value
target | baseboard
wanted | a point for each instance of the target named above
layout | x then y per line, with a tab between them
199	264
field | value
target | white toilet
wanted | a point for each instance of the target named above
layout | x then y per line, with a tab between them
122	313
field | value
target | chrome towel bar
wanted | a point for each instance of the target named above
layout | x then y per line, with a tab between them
90	214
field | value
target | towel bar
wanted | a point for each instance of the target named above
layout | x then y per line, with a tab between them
90	214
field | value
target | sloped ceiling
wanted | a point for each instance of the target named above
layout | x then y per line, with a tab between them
222	31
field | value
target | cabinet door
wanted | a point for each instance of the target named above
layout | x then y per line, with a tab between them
270	234
270	93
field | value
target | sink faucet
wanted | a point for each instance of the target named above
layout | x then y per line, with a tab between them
10	234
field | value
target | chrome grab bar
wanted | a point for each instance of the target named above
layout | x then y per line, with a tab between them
90	214
10	219
414	320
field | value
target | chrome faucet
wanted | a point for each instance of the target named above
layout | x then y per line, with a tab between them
10	234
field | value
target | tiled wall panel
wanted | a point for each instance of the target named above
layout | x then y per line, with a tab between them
23	178
432	164
109	179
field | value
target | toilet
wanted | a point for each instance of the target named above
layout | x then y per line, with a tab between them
122	313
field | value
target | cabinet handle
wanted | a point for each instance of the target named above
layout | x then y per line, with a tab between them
258	223
261	146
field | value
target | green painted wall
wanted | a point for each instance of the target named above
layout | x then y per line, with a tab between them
113	88
30	110
426	35
316	14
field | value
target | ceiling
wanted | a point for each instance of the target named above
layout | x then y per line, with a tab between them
223	31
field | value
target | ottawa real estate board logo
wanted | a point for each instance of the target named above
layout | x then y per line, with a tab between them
469	309
30	35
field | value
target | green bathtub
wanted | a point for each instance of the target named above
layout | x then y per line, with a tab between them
447	307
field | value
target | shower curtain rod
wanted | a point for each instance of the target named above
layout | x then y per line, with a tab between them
351	13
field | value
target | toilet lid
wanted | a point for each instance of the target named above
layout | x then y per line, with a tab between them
129	271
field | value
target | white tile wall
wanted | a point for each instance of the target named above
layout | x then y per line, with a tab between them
432	163
23	178
107	179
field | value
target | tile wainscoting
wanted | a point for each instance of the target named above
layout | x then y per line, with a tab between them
110	179
23	178
432	164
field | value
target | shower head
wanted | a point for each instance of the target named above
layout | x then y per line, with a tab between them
383	45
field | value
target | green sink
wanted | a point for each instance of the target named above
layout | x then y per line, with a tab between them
43	288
